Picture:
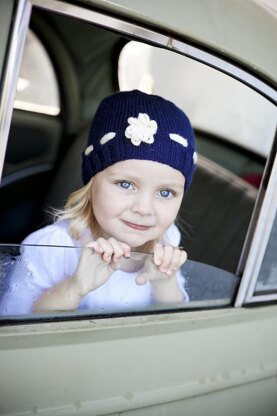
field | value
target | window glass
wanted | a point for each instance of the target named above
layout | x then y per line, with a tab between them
216	103
267	278
37	87
28	271
233	129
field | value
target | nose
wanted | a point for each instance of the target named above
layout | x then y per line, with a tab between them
143	204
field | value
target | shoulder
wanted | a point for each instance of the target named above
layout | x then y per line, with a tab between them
55	234
50	254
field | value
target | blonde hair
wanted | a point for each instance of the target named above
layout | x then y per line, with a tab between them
78	210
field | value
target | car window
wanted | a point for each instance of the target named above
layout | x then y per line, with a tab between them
37	87
234	132
267	278
27	271
217	104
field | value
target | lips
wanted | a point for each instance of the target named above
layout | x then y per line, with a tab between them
138	227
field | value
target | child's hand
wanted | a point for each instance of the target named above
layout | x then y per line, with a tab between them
163	265
160	270
97	263
168	259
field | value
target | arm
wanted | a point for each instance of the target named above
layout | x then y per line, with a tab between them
167	290
97	263
62	297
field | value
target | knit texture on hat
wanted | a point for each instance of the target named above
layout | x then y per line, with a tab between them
134	125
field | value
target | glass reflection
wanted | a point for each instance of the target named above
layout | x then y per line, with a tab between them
21	286
267	280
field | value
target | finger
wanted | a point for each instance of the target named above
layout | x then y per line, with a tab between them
183	258
142	279
127	251
158	254
167	259
120	249
178	258
126	248
95	246
107	249
175	261
117	249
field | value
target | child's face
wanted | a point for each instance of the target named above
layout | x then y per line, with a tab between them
135	201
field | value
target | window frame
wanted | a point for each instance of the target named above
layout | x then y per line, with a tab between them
246	292
137	31
10	73
31	104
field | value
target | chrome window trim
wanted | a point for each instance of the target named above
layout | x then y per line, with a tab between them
11	71
119	25
259	244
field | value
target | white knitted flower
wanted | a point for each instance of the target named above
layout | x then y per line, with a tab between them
141	129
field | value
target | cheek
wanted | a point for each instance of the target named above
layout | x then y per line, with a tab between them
107	208
168	214
100	206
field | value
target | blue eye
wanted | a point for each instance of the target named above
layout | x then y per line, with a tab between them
166	193
125	185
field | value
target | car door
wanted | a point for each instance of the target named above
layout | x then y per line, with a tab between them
215	354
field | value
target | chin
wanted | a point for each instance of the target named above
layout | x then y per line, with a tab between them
136	243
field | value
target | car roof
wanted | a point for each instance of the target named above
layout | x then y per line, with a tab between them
244	31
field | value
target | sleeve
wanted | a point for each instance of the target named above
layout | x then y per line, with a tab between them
172	236
182	284
48	256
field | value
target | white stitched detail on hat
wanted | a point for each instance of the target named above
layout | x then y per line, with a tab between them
195	158
141	129
179	139
88	150
107	137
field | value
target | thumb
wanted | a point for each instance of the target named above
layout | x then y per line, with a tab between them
115	265
142	278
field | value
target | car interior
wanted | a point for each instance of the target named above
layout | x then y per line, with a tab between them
42	164
212	355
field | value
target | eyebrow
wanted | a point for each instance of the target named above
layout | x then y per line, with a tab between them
123	175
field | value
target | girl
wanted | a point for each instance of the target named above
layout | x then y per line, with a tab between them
139	159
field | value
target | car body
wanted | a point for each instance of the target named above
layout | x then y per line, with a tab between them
216	355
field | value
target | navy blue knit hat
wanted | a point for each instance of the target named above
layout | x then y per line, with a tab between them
135	125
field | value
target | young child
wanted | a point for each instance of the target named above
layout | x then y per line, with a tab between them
139	160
